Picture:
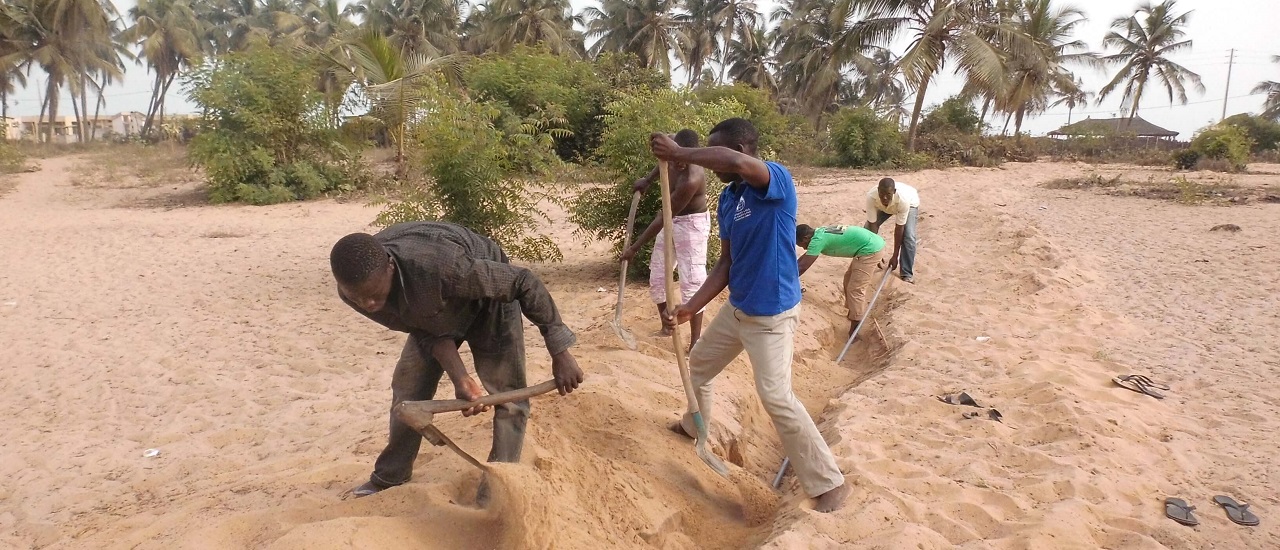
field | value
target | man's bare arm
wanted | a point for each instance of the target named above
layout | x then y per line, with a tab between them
725	160
806	262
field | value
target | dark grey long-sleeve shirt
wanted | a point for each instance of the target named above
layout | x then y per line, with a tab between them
447	275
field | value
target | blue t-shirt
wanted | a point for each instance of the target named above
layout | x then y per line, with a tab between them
760	226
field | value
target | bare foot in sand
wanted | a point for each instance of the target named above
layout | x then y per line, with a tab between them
832	500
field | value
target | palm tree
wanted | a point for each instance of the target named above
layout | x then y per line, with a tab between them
325	21
751	62
879	86
238	23
427	27
396	83
818	44
702	29
1271	107
648	29
967	32
502	24
169	34
736	18
1034	73
1073	96
1149	37
70	40
12	74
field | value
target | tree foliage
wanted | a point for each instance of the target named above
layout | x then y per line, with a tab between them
862	138
479	175
263	138
601	213
1223	142
1264	133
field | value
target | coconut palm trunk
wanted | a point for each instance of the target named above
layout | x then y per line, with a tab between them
915	112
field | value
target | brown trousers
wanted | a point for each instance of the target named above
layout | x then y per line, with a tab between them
858	280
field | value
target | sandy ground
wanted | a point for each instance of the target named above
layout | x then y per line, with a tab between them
133	319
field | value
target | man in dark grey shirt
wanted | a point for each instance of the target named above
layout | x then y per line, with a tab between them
444	285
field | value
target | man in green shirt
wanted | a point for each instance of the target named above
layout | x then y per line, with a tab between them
844	241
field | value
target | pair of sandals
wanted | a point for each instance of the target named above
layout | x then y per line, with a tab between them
1141	384
1178	510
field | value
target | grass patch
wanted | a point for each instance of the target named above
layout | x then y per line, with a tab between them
135	165
1178	189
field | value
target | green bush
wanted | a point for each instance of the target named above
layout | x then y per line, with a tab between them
861	138
955	115
1223	142
601	212
263	137
476	176
1264	133
1186	159
758	107
11	159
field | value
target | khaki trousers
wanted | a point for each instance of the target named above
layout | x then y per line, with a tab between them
768	342
857	284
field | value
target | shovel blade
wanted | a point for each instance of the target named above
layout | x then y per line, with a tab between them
704	452
623	334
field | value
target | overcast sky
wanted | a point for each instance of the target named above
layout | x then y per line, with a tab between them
1216	26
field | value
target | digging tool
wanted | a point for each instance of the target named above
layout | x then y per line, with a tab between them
677	337
624	334
777	480
420	414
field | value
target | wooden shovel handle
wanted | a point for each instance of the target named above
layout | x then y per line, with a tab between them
416	408
673	292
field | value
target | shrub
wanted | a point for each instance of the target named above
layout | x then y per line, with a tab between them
957	149
758	107
1223	142
1186	159
955	115
476	176
1264	133
861	138
11	159
263	137
601	213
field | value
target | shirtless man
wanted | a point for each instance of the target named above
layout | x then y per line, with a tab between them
692	225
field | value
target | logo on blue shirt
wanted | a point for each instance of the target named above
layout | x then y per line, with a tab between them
742	212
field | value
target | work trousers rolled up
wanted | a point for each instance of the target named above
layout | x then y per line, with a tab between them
497	345
858	280
768	342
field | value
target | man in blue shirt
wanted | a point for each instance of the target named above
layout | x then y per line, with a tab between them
757	217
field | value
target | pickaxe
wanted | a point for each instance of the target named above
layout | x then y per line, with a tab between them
419	414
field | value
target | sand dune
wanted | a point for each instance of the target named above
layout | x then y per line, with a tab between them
213	334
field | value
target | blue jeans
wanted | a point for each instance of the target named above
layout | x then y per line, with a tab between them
907	260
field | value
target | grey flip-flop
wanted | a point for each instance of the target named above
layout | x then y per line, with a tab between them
1136	383
1178	510
961	398
1237	512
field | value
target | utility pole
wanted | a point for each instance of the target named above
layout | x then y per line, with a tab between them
1227	93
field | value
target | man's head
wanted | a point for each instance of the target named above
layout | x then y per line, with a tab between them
804	234
737	134
685	138
886	190
363	269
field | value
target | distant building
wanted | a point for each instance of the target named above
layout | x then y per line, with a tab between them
1122	127
66	129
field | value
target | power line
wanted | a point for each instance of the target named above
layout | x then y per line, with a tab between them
1113	111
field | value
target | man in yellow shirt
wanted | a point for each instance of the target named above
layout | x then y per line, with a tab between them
897	200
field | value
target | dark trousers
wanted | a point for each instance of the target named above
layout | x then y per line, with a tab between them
497	344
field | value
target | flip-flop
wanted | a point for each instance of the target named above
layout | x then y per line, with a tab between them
961	398
1129	383
1236	512
1178	510
1146	381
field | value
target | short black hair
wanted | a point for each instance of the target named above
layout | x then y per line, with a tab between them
737	131
887	183
803	232
355	257
687	138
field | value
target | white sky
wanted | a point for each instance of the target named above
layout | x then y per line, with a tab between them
1216	26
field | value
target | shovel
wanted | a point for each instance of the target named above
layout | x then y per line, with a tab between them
420	414
624	334
677	337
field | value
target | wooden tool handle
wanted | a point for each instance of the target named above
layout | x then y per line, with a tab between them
626	242
673	293
450	405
